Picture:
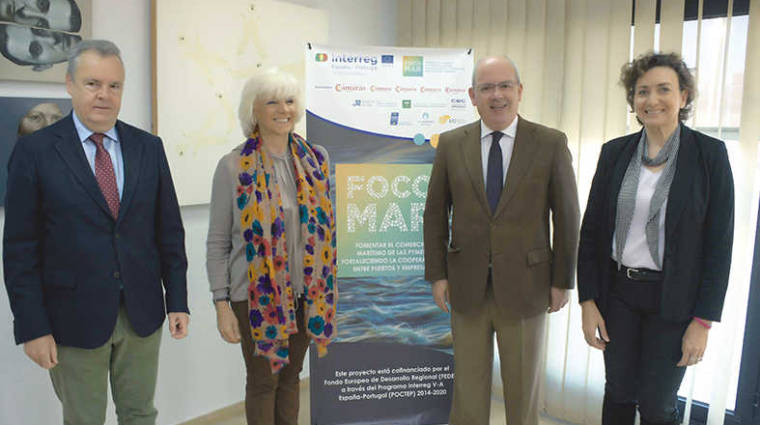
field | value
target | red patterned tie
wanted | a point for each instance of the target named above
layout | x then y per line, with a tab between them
104	174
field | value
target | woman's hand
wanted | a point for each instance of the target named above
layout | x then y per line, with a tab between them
592	320
693	344
227	323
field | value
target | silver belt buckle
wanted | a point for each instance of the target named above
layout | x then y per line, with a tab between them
629	271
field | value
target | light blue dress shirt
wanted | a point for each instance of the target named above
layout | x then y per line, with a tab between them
110	143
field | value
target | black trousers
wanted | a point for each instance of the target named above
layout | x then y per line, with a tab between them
640	359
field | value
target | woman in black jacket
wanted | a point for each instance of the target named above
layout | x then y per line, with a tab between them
655	245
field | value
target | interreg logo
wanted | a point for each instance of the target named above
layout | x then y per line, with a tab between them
406	103
386	58
355	59
412	66
320	57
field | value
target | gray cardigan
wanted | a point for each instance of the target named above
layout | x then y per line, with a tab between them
225	247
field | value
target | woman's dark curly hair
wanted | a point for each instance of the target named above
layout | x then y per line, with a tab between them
631	72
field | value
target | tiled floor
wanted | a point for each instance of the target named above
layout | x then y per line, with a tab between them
235	415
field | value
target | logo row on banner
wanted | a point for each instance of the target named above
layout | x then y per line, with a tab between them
412	94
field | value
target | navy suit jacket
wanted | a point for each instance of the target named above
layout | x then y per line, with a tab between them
699	227
65	256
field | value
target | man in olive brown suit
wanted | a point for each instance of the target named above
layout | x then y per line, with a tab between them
500	180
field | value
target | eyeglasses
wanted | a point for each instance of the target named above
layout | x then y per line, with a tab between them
488	88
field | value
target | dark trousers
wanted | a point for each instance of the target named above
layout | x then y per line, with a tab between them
640	359
271	399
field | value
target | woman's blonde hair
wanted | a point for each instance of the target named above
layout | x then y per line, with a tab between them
270	83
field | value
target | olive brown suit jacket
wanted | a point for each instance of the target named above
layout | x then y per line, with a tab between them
463	238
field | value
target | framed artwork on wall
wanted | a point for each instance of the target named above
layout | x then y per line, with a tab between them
37	35
22	116
202	56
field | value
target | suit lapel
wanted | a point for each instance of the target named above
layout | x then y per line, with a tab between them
474	163
679	189
131	153
523	151
70	148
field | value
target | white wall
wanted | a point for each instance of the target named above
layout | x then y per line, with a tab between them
200	373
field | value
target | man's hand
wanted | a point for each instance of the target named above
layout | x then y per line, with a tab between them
693	344
42	351
559	297
178	323
593	321
227	323
441	294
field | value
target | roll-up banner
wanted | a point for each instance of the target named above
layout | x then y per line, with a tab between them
379	112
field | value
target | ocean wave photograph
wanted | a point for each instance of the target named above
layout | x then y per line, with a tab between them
394	309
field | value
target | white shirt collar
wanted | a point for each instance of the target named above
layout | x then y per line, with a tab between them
84	133
510	131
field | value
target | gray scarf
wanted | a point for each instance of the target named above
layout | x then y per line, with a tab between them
627	196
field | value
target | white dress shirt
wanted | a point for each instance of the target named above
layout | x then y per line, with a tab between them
506	143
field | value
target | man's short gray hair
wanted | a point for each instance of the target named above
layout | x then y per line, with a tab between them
270	84
481	60
103	48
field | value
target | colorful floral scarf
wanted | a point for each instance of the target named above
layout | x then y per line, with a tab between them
272	313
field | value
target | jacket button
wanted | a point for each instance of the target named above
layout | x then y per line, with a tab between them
116	275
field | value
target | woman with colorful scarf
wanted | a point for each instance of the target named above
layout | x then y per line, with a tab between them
271	247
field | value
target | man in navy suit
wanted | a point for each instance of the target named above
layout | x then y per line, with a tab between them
92	230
